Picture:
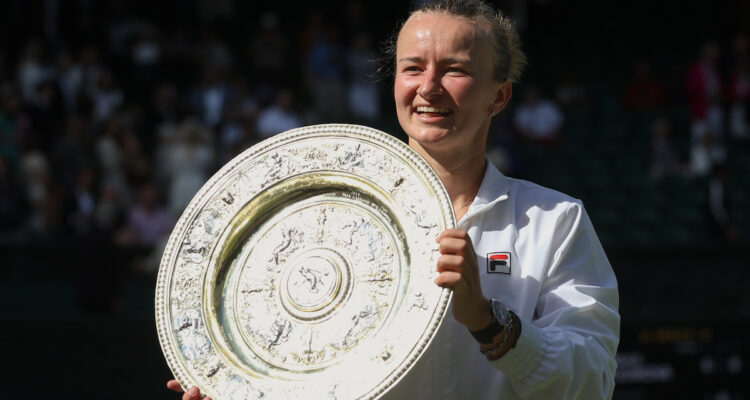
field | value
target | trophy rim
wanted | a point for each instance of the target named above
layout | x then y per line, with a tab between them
167	339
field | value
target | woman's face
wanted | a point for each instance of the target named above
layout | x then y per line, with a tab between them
444	90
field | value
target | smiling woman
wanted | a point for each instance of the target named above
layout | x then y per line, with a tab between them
534	306
550	326
454	67
445	91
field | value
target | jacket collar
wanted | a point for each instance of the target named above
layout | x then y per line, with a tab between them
494	188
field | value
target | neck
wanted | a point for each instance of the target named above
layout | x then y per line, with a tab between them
461	174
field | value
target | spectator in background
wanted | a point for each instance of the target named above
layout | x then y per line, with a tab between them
210	97
643	92
72	152
364	97
15	124
164	110
739	89
45	213
120	31
91	68
137	165
110	209
664	159
705	153
106	97
238	130
538	119
46	115
148	220
33	69
231	133
146	55
70	81
13	204
279	116
238	127
188	157
80	204
325	72
719	210
243	97
111	158
147	226
703	88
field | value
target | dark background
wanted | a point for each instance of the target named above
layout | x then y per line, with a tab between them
76	280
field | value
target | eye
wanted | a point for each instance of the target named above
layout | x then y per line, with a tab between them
456	71
411	68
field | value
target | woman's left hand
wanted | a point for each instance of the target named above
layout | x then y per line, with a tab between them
193	394
458	270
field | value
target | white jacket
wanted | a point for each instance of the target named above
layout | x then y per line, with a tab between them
561	286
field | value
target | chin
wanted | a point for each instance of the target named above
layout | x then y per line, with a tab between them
429	134
431	140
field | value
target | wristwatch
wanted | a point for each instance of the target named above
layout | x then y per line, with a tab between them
500	319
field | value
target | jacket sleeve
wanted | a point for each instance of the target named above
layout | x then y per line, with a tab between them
567	351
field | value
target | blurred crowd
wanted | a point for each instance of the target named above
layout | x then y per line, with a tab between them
717	93
110	137
111	122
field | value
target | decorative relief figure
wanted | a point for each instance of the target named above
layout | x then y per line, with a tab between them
279	333
350	157
288	235
418	302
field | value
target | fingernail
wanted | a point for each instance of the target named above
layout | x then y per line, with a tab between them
193	391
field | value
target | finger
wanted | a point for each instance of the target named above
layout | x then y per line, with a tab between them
193	394
451	245
450	262
450	280
454	233
174	385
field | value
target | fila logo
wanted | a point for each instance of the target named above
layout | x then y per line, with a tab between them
498	263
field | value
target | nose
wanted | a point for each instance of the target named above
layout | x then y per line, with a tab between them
430	85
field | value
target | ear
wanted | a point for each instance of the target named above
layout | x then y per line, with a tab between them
504	93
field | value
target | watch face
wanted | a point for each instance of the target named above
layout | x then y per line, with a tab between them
501	312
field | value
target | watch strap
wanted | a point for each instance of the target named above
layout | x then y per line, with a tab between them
488	333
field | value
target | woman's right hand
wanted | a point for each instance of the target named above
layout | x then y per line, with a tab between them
193	394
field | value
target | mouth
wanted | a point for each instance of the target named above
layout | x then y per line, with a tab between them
431	111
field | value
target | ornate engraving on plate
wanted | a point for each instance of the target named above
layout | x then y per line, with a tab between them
303	263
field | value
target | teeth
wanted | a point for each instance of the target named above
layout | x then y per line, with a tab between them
437	110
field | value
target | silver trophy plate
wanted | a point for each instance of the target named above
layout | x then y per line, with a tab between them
304	269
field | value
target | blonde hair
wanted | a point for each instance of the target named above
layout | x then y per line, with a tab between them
509	58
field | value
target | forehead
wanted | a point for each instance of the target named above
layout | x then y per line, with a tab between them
441	33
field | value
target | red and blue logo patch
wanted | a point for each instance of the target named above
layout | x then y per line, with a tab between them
498	263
